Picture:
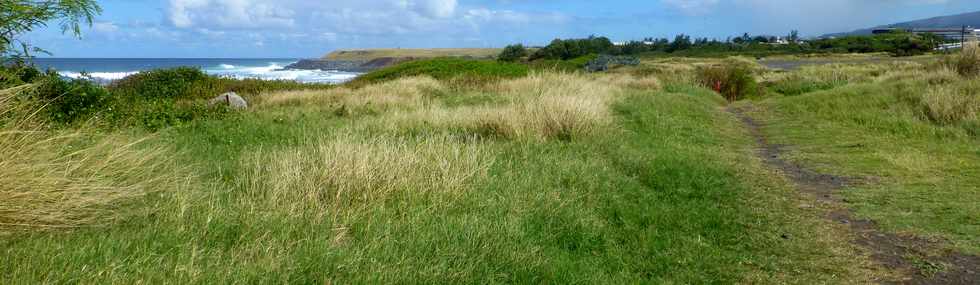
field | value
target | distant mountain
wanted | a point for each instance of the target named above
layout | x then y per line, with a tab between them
966	19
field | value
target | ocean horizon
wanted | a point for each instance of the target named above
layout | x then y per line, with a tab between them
110	69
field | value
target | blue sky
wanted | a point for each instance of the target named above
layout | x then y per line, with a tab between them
309	28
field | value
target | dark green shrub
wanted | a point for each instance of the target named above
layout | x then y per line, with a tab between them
512	53
77	99
172	83
447	69
734	81
572	65
560	49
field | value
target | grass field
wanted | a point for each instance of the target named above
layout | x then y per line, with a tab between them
369	54
635	176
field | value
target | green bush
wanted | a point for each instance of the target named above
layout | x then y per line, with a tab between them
512	53
172	83
734	81
455	69
568	49
72	100
166	97
571	65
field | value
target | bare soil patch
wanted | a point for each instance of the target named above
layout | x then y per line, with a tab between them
923	261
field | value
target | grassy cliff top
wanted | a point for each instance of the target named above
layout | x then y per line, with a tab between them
369	54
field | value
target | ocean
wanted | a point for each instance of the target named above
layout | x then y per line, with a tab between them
109	69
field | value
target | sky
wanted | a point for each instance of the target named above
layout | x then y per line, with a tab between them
309	28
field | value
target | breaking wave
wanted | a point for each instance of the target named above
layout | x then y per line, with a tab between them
100	76
272	71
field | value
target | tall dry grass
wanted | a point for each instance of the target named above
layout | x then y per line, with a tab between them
58	179
954	103
332	175
404	93
967	63
538	107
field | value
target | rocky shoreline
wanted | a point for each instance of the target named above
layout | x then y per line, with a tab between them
346	65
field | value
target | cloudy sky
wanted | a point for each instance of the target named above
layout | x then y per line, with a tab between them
310	28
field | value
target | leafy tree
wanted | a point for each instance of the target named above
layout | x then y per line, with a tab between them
681	42
793	37
18	17
512	53
573	48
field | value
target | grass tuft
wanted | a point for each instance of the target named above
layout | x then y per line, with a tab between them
58	179
339	173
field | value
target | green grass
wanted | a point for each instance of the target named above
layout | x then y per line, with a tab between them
925	172
369	54
669	192
469	71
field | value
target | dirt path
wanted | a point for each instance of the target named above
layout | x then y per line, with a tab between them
923	261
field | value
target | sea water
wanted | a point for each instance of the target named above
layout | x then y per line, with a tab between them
109	69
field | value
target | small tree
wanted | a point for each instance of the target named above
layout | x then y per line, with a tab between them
793	37
18	17
512	53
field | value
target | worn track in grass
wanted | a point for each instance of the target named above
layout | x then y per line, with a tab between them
923	261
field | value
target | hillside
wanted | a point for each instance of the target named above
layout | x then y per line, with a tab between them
966	19
370	54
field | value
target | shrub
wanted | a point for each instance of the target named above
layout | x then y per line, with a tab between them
572	48
172	83
734	81
512	53
571	65
72	100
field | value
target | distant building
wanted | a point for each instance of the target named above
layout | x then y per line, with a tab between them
953	34
649	43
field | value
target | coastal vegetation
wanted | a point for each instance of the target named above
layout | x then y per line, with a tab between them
453	170
671	170
897	43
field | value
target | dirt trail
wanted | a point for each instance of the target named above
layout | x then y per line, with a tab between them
922	260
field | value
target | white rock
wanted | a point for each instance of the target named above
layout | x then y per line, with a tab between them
229	99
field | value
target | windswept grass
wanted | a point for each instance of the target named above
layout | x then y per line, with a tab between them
341	174
637	176
954	104
57	179
967	62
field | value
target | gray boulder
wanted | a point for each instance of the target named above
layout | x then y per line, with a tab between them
229	99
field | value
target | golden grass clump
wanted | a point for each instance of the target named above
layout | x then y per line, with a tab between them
540	106
967	63
629	81
331	175
400	93
54	179
950	105
546	117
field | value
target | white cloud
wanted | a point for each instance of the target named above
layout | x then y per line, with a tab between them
434	8
105	27
693	7
229	14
